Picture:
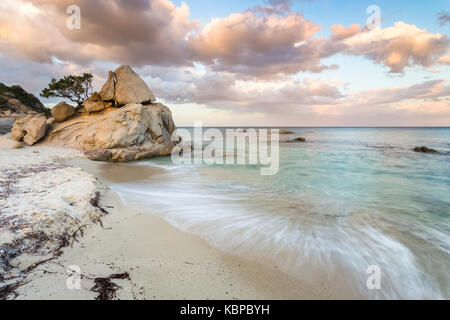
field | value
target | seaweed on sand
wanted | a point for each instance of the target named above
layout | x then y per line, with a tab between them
95	203
10	289
105	288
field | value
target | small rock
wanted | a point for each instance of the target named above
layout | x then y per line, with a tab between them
300	139
62	111
284	131
94	103
424	150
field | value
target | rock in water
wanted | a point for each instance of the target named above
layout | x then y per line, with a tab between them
62	111
109	88
130	88
424	150
300	139
30	128
284	131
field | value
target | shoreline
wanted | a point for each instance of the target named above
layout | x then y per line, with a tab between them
162	261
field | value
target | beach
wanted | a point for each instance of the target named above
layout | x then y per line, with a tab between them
162	262
342	203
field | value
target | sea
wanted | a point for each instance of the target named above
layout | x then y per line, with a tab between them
354	209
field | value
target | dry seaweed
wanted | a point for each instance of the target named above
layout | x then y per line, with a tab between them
74	235
105	288
10	289
95	203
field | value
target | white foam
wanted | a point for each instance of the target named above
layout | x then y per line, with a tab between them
301	248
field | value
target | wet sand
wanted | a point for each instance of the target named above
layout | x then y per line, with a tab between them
163	262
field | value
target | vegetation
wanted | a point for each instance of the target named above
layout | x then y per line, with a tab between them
75	88
27	99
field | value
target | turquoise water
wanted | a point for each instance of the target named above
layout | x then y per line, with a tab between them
347	199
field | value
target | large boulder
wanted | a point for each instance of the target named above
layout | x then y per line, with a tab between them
130	133
109	88
62	111
30	129
130	88
121	128
95	103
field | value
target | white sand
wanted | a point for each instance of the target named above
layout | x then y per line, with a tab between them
163	262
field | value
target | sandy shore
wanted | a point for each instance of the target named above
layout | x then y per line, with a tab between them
162	262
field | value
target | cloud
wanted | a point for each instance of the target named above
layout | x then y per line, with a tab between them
133	32
433	90
221	90
246	62
227	91
340	32
397	47
443	18
264	41
260	45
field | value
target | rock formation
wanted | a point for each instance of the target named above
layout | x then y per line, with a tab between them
62	111
137	129
30	129
120	123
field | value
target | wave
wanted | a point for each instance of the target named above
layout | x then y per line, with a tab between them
303	246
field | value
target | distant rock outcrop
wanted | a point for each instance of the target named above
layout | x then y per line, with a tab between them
285	131
424	150
16	102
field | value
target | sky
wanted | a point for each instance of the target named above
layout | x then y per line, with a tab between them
247	62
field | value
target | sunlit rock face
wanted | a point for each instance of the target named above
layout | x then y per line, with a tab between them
119	123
